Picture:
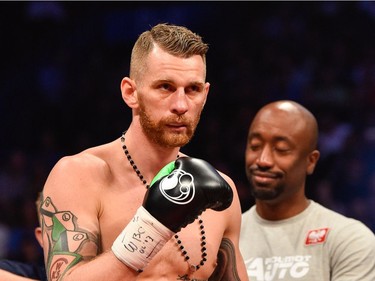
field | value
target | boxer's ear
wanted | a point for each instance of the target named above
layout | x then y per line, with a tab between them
129	92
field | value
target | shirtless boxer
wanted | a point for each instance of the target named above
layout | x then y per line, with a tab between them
103	217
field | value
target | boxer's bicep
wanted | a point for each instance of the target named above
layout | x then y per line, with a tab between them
226	268
65	243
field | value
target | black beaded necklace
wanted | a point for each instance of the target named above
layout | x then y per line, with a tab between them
131	161
184	253
192	267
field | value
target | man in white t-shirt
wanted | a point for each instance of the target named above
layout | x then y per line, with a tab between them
286	236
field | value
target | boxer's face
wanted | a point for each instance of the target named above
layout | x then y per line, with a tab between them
171	97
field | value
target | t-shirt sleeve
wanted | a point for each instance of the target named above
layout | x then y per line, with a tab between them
352	253
24	269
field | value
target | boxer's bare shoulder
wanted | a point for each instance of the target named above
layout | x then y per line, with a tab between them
93	164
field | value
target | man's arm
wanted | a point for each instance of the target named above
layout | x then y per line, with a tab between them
230	264
5	275
226	268
353	253
69	245
69	220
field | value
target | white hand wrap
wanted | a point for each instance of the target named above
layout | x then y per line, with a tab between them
140	240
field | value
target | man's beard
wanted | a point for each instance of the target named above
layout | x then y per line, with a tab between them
263	192
266	193
156	131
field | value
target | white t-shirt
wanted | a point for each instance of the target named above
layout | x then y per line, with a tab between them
316	245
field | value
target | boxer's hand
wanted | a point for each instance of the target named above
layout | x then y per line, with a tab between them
183	189
180	192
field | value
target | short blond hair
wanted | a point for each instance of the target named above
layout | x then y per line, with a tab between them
176	40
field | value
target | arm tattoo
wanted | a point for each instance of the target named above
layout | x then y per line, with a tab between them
65	239
226	268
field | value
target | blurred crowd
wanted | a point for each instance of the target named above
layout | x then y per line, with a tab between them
62	63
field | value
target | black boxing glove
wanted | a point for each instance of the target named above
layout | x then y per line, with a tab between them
183	189
180	192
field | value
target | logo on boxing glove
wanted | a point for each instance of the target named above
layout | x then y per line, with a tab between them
178	187
183	189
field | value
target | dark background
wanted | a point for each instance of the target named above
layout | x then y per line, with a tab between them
62	63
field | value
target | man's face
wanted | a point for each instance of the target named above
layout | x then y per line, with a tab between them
171	95
277	156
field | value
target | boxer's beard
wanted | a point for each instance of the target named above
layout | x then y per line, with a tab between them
158	132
